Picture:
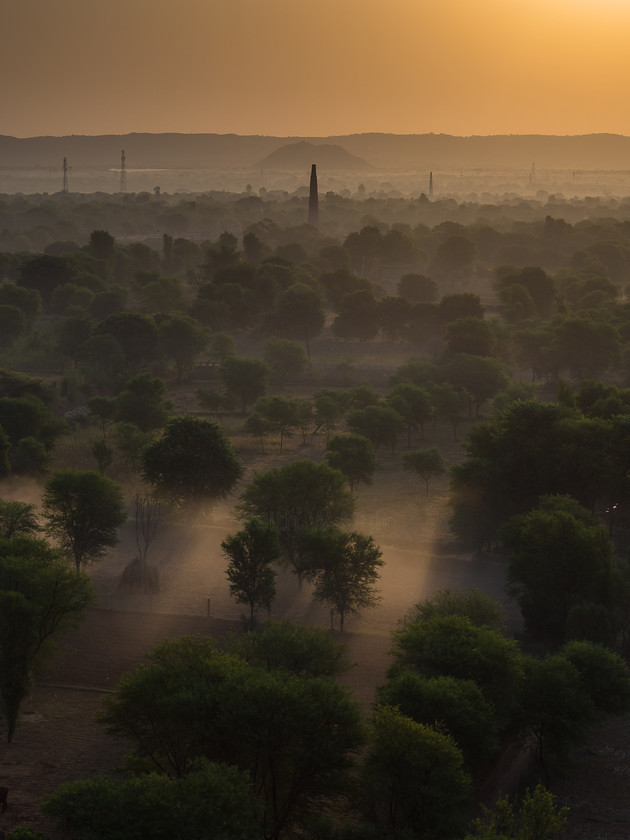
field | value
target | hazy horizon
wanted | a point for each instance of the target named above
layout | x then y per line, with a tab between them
290	68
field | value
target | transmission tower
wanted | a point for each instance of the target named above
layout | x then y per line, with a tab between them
123	172
65	175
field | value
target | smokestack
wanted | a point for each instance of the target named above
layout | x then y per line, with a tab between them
430	185
313	199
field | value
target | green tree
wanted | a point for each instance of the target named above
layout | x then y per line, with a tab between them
585	347
28	416
161	294
182	340
459	305
43	273
328	409
452	646
137	335
142	402
424	463
292	737
244	379
28	300
83	511
456	254
250	554
604	674
555	712
538	818
472	336
104	409
279	415
13	325
192	463
213	802
301	495
298	314
344	568
394	315
40	599
103	455
287	359
457	704
358	316
414	406
473	604
413	782
353	455
538	285
450	403
559	556
417	288
17	519
481	377
380	424
288	646
131	442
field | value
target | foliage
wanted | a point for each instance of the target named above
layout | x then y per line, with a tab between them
559	556
604	674
299	496
192	463
298	314
181	339
213	802
251	553
425	463
413	782
556	713
353	455
539	817
529	450
473	604
131	442
41	598
451	645
344	568
287	359
83	511
137	335
456	706
279	415
142	402
413	404
287	646
28	416
380	424
244	379
292	737
17	519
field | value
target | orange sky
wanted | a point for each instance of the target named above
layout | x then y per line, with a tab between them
314	67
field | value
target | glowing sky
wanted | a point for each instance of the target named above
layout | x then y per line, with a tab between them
314	67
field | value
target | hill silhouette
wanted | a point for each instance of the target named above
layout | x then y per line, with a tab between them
301	155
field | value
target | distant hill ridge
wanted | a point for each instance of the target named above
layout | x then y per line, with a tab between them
384	151
301	155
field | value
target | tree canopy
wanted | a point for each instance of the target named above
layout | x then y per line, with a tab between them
192	463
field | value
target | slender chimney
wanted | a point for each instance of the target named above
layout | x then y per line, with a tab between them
430	185
313	199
